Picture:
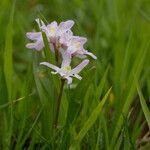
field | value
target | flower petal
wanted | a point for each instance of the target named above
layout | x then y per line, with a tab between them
52	24
78	68
37	45
66	38
80	39
78	76
51	29
90	54
50	66
69	80
66	25
38	40
66	59
34	35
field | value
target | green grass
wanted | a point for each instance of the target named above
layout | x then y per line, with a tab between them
91	117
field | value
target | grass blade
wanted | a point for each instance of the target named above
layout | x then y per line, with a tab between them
48	53
91	120
144	106
8	68
135	74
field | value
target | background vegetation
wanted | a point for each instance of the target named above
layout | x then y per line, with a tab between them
92	116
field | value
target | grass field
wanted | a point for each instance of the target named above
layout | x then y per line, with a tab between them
109	109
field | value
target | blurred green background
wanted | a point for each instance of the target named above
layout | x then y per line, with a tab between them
118	33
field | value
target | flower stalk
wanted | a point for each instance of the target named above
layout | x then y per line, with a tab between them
58	103
57	57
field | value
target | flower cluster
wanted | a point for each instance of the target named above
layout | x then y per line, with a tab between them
62	40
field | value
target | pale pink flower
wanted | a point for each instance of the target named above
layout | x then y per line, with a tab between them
61	38
37	39
53	30
75	45
65	71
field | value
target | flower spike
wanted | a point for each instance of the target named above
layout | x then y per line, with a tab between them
61	39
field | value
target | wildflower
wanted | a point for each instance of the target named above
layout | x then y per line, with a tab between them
61	39
75	45
65	39
65	71
38	43
65	47
55	31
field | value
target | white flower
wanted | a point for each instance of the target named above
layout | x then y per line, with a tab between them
65	71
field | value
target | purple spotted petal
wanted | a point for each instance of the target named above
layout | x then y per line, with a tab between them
66	38
66	25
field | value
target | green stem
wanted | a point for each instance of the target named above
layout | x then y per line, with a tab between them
56	56
59	102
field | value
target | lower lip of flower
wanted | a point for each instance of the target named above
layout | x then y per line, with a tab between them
67	69
52	29
77	45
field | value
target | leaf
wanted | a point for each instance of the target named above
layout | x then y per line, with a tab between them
8	68
91	120
134	76
32	126
44	99
48	53
50	58
101	84
74	105
144	106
